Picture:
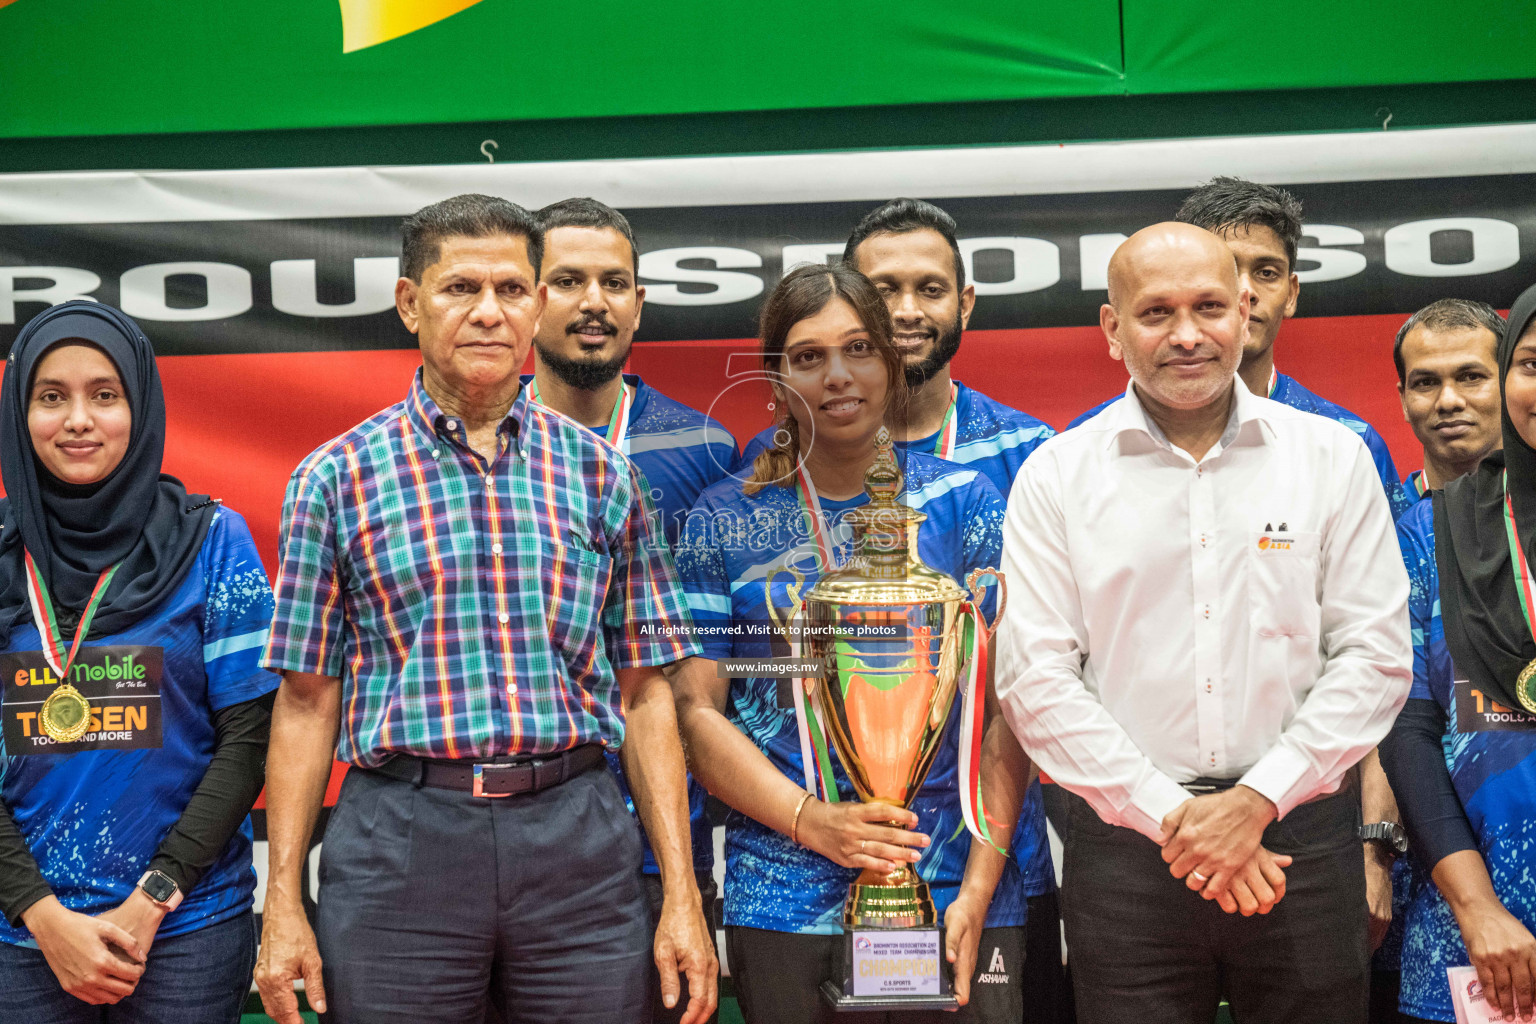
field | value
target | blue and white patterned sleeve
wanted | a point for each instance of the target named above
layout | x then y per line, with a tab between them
237	612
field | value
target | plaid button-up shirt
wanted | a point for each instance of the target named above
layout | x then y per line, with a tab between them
473	608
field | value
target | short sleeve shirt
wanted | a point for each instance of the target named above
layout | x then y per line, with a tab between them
94	819
731	542
1489	750
473	607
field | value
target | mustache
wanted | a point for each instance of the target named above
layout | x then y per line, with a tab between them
591	321
1170	353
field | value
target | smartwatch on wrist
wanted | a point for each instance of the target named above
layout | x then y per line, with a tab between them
1388	833
161	889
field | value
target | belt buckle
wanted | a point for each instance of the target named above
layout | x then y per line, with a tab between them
496	770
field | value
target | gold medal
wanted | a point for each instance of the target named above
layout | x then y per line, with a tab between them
1525	688
66	715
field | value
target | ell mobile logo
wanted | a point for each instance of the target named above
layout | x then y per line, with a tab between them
366	23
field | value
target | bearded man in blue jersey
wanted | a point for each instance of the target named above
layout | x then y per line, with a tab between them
590	267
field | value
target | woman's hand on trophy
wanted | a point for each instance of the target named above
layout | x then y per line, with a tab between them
860	835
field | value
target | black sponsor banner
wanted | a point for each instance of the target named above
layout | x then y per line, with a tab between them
1478	712
1038	261
122	684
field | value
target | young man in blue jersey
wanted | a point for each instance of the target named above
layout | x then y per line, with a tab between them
1448	381
1262	226
584	338
908	249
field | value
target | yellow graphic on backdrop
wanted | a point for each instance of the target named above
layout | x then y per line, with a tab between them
370	22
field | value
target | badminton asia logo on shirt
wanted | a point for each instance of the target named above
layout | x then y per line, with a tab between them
121	684
1478	712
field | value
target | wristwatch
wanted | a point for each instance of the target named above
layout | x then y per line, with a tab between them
1389	833
162	889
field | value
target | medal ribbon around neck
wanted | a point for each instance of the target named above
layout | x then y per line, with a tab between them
48	623
1421	487
944	447
1274	378
618	422
812	736
1523	589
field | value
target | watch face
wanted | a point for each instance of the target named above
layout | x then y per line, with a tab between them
159	888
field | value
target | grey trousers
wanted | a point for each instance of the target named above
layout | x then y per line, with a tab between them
1144	947
433	902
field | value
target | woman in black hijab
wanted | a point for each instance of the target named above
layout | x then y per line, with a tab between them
133	712
1462	756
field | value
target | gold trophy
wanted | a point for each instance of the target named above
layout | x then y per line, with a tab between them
886	629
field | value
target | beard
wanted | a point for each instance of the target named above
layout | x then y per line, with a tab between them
585	373
944	350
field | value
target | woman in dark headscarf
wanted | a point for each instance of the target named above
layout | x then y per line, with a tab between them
135	716
1462	755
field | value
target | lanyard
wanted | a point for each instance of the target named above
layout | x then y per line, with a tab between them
48	624
1274	378
1419	486
944	447
1517	558
806	491
618	422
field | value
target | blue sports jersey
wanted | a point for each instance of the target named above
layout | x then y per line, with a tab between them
1415	490
731	543
989	436
1287	392
680	451
94	819
1489	750
992	438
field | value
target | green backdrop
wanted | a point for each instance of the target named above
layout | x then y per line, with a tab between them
108	67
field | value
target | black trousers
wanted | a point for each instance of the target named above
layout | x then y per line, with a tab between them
1146	948
1048	994
778	978
433	903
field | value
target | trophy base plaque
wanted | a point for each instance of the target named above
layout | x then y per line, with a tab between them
892	969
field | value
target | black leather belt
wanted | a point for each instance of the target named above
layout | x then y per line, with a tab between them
499	776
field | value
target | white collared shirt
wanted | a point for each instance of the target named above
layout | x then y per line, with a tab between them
1243	617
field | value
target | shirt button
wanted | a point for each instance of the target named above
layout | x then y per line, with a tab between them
489	480
452	424
436	453
496	548
503	618
511	689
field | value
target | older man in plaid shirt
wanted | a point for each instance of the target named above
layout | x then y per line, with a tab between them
473	603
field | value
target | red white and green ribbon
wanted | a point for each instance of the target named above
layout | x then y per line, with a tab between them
973	711
1518	560
813	738
48	624
1420	486
618	421
944	447
1274	378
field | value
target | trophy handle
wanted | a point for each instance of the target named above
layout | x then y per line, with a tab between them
782	622
971	580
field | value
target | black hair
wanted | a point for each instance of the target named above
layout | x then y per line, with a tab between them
1448	315
900	216
1222	204
589	213
467	216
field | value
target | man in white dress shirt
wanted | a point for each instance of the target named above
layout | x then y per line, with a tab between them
1207	630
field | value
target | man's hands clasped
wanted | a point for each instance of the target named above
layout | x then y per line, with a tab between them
1213	843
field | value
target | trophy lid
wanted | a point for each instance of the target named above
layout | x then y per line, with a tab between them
885	542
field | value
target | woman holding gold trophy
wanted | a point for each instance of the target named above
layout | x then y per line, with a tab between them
135	716
798	834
